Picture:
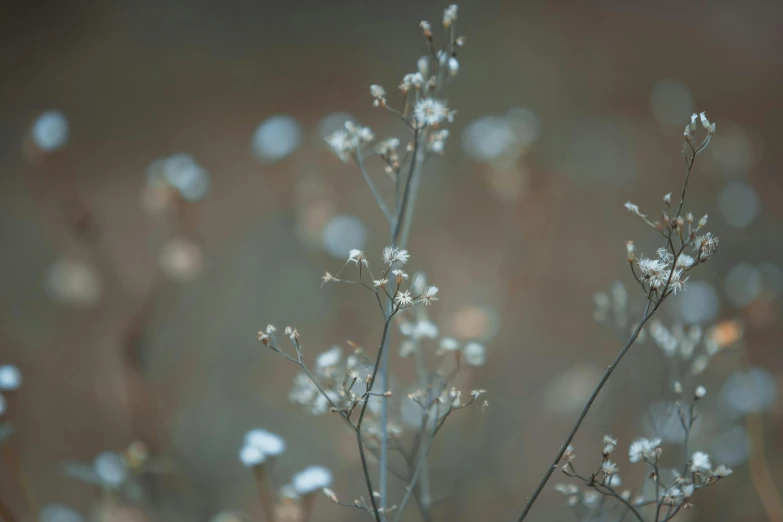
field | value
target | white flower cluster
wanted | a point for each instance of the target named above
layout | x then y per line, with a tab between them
697	473
346	143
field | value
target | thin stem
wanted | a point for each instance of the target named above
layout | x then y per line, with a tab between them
373	188
685	183
531	500
404	201
419	468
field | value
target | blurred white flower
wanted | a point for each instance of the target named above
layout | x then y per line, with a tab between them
184	173
700	461
475	354
276	138
251	456
50	131
110	468
329	358
74	282
10	377
267	442
313	478
181	259
643	449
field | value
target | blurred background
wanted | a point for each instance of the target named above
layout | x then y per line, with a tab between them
165	192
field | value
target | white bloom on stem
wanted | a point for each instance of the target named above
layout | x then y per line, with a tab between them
643	449
684	261
449	15
403	299
700	392
704	121
475	354
376	91
415	80
429	295
453	66
393	255
313	478
340	144
265	441
400	274
633	209
357	256
429	111
722	471
700	461
609	468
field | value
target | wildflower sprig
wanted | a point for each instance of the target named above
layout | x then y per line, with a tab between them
660	276
348	386
669	495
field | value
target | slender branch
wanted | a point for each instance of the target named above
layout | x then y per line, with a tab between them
373	188
531	500
419	468
404	201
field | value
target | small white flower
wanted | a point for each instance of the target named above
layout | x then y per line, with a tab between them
376	91
700	392
643	449
265	441
684	261
329	358
357	256
340	144
400	274
380	282
403	298
423	65
630	248
475	354
633	209
415	80
429	111
449	15
429	295
704	121
667	199
453	66
614	481
609	468
251	456
703	221
722	471
313	478
700	461
393	255
10	377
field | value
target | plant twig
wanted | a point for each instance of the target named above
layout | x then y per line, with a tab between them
650	310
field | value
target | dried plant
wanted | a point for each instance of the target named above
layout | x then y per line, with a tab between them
658	277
